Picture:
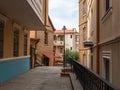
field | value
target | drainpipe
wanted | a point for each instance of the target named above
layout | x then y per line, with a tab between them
97	38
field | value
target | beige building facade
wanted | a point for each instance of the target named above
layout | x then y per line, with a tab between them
92	33
83	33
109	42
103	31
15	23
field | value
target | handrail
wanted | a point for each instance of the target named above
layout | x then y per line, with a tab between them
89	79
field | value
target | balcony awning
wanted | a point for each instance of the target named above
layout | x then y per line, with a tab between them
34	40
21	12
88	44
51	56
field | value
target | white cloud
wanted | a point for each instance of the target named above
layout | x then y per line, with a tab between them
64	12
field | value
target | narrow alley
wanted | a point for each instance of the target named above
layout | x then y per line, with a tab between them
40	78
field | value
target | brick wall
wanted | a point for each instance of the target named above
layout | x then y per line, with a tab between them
45	48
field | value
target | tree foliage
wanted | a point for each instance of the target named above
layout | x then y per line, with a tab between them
72	54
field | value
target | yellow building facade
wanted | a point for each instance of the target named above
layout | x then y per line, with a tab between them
15	23
83	32
44	48
103	31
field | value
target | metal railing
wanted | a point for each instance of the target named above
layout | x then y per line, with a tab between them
88	79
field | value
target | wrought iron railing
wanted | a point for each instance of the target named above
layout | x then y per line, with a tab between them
88	79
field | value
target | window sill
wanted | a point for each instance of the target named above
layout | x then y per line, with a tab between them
107	14
14	58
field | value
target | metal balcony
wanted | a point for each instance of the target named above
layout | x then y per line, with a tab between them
90	80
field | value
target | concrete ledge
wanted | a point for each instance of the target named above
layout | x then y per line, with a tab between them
67	70
64	74
75	82
14	58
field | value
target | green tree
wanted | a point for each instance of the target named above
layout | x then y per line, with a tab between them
72	54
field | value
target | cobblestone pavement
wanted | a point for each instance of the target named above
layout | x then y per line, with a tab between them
40	78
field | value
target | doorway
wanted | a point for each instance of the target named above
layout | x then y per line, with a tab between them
45	61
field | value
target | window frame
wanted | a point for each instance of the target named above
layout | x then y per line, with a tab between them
85	59
107	69
61	38
61	50
77	38
84	34
46	37
16	42
25	44
1	38
107	55
107	5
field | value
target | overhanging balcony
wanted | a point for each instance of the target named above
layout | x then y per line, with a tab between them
58	43
24	12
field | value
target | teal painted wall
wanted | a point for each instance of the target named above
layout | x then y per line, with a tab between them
13	68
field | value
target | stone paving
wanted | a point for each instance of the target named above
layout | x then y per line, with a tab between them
40	78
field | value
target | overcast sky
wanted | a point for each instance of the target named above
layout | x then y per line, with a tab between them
64	12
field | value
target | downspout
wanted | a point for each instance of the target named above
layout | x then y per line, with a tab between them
97	38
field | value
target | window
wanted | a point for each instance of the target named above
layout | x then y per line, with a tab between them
70	36
84	7
77	38
46	38
84	34
25	44
1	38
61	50
107	5
55	38
16	43
61	38
85	60
107	69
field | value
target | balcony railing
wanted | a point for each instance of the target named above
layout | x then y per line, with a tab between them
59	43
90	80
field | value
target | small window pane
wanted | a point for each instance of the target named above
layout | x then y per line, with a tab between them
1	38
25	44
16	43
